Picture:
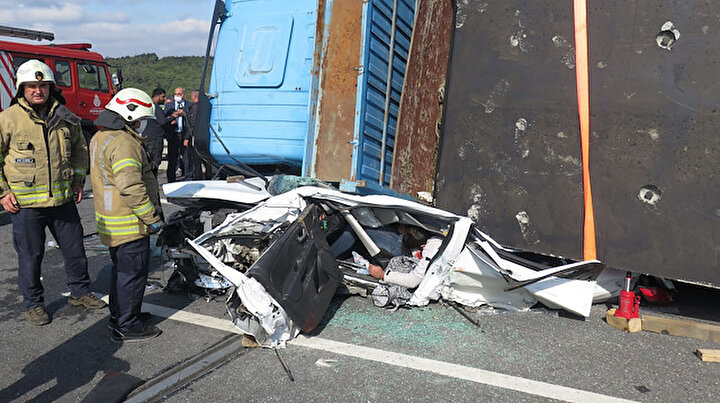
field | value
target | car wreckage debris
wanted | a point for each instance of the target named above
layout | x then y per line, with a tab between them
285	257
284	365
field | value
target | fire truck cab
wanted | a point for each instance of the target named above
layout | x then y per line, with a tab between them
82	75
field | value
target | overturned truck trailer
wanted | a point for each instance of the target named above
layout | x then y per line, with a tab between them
475	102
510	150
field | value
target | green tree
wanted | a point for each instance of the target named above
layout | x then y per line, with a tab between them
147	72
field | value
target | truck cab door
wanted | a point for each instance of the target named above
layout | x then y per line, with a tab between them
93	90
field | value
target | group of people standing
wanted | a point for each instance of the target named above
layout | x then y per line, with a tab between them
175	122
44	160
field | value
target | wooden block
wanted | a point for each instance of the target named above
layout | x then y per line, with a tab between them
249	342
633	325
682	328
708	355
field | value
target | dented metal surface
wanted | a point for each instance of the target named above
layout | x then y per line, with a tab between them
510	153
335	118
418	134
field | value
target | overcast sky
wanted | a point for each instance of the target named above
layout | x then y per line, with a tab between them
117	28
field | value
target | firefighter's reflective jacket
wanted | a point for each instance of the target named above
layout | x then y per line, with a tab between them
124	187
41	159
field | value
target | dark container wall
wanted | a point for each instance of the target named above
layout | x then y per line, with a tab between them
510	152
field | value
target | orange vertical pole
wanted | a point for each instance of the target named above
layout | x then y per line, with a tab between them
583	95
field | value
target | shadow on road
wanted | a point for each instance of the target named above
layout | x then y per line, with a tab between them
69	366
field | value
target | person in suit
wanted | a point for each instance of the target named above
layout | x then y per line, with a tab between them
155	131
176	132
200	167
190	160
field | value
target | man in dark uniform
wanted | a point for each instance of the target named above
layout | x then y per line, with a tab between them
127	207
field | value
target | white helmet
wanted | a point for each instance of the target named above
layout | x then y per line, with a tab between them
33	70
132	104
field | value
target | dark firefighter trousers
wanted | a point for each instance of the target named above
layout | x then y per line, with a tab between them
130	267
29	240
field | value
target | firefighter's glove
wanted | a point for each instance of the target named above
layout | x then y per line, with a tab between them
154	228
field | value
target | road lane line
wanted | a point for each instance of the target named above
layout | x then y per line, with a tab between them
443	368
185	317
192	318
455	371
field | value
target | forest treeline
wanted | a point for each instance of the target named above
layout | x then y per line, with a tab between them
148	71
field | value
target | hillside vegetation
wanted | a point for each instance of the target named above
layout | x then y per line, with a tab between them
147	72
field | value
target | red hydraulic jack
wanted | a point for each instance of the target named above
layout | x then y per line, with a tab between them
629	302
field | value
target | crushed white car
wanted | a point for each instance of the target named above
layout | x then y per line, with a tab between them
286	255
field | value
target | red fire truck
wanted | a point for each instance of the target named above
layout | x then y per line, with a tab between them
82	75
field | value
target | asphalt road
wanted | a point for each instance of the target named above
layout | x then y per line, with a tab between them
359	353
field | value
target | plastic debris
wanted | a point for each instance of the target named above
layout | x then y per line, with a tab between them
212	283
363	264
326	362
425	196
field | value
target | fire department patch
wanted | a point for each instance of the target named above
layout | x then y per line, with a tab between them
39	75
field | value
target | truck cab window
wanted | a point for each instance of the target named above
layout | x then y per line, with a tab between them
103	76
88	76
63	75
18	60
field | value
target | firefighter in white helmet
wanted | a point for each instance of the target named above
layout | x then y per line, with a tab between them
127	206
43	162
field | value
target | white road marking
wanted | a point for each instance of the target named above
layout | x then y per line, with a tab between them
451	370
455	371
192	318
185	317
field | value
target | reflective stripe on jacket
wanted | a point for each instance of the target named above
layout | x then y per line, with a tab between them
41	159
124	187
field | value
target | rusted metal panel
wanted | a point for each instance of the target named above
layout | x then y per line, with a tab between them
510	152
418	135
341	55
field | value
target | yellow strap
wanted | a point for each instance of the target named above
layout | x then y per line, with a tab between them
143	209
115	220
125	162
28	189
119	231
32	197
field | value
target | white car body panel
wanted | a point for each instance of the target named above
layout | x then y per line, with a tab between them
456	273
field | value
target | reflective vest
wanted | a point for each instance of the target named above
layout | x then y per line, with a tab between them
41	159
125	190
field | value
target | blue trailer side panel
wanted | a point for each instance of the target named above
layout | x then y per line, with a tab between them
387	33
261	78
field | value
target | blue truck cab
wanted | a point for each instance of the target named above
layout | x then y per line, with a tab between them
312	87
